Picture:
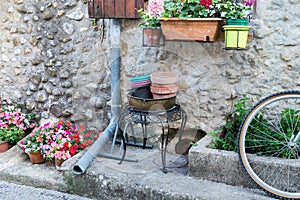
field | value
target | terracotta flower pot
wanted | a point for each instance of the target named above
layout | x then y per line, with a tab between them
164	78
36	157
4	146
164	84
164	89
58	163
152	36
163	96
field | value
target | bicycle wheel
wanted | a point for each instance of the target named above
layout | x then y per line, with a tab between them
269	144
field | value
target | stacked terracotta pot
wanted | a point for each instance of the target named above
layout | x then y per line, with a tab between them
164	84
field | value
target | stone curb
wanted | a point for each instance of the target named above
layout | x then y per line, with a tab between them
106	179
217	165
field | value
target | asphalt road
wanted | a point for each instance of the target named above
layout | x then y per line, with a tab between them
10	191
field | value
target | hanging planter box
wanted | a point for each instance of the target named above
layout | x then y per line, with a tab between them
191	29
236	37
114	9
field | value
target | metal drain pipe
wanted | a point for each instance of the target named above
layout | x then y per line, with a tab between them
115	40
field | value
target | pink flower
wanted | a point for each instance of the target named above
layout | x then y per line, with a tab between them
248	2
39	139
156	7
59	137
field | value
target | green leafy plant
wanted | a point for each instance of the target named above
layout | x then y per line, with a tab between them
234	9
225	138
264	138
150	14
148	21
272	141
36	141
190	9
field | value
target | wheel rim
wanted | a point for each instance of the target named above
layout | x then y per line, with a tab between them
271	181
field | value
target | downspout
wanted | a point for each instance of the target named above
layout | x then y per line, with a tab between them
115	40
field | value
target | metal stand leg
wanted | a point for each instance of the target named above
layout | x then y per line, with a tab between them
145	118
164	151
183	122
144	128
121	155
165	141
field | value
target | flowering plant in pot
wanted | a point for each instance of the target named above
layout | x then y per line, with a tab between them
235	11
64	142
237	29
190	9
197	20
89	135
150	23
35	144
13	124
57	141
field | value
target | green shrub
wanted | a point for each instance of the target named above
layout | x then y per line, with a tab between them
266	135
225	138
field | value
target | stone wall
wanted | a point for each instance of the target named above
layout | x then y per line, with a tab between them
210	75
55	62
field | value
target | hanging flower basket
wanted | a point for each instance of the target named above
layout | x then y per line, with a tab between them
191	29
152	37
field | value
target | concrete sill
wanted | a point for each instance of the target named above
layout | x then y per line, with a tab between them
217	165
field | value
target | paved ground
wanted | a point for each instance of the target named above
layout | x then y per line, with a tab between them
106	179
11	191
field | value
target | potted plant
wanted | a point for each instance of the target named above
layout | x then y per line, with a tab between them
237	29
64	142
35	144
150	23
191	20
53	141
13	124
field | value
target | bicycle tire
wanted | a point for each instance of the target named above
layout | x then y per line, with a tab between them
268	154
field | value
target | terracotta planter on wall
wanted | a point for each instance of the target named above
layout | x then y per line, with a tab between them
191	29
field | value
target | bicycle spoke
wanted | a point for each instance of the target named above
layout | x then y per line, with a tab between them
267	148
271	137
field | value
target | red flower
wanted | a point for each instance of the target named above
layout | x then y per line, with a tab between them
81	127
68	124
66	145
73	149
205	3
82	146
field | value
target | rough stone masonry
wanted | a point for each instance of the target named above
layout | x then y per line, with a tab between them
54	62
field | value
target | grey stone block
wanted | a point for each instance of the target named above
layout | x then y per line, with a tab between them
217	165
